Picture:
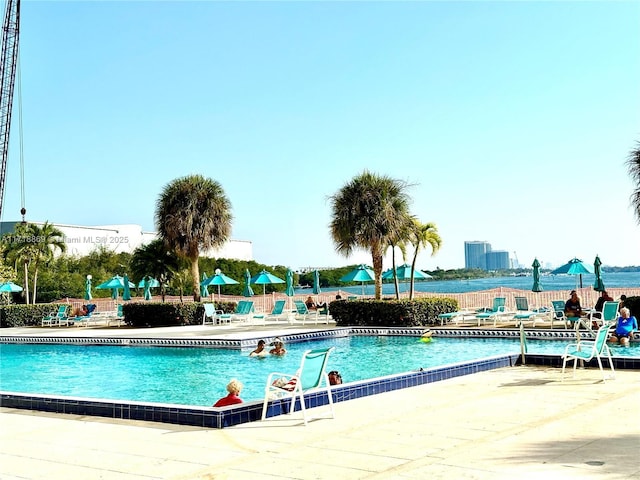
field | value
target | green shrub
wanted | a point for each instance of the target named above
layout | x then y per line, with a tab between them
391	313
158	314
26	315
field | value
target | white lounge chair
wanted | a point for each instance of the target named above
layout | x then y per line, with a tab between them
277	313
213	316
523	313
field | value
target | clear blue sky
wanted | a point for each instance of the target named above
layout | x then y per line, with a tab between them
513	120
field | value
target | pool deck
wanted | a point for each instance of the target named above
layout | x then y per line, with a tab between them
519	422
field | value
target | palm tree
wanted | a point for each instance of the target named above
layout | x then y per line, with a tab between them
156	260
21	250
48	240
422	234
368	213
633	164
400	242
193	213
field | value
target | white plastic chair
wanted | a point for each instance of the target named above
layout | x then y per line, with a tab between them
310	377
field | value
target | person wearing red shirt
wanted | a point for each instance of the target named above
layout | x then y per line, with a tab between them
234	388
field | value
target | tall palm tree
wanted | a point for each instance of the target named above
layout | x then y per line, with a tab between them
633	164
193	213
21	250
156	260
49	239
367	213
423	235
400	242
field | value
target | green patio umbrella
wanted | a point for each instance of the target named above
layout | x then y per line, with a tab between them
10	287
115	283
87	288
289	290
148	283
573	267
536	276
247	291
360	274
220	279
204	291
153	283
264	278
316	282
598	285
126	292
403	273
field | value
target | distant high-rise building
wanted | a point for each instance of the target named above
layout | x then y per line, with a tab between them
498	260
475	254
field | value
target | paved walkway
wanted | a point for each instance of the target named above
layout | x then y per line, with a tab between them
520	422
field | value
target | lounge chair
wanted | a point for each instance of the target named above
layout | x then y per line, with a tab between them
496	311
244	311
277	313
455	317
609	315
213	316
83	320
58	318
559	314
118	319
310	377
302	312
523	313
588	349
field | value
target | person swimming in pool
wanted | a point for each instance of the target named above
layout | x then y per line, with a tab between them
260	351
278	347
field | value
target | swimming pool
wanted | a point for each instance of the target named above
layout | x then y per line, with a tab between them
198	376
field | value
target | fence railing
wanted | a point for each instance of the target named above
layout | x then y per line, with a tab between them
467	300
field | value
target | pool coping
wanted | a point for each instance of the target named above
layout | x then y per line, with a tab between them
211	417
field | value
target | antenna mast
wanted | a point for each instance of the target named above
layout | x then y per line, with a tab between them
8	63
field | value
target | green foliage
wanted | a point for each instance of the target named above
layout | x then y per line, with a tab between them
369	213
193	213
391	313
158	314
25	315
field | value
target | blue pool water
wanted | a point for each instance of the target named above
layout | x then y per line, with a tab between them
198	376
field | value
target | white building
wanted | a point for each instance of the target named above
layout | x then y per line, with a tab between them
81	240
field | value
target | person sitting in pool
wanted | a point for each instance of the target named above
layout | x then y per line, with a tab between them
572	306
278	348
259	351
625	326
234	388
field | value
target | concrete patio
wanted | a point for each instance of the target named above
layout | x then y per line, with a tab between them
519	422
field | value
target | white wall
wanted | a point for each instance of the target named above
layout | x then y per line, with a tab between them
81	240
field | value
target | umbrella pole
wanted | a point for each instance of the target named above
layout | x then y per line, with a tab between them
523	343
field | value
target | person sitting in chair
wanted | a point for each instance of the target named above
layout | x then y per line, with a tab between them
310	303
572	306
604	297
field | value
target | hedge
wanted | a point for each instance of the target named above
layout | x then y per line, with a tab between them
158	314
26	315
391	313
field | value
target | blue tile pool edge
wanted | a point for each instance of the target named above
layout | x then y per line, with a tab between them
211	417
